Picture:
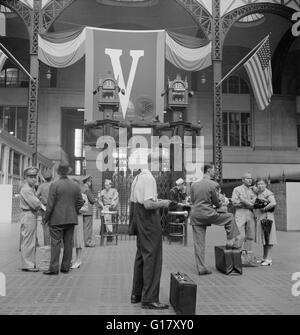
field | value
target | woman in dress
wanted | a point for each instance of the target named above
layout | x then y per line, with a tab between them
78	232
267	213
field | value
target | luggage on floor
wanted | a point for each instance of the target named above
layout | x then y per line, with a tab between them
228	260
183	292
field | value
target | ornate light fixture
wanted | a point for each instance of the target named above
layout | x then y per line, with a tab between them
203	79
49	73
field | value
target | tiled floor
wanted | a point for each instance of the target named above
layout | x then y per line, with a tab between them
102	285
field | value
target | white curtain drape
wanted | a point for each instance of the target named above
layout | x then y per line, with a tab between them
188	59
62	54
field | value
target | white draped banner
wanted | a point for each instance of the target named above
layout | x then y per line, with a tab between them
188	59
64	49
63	53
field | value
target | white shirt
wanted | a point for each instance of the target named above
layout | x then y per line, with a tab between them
143	187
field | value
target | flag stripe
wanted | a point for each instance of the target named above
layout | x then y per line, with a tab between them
256	85
259	69
263	80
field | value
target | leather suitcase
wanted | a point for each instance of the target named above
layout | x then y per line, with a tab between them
183	292
228	260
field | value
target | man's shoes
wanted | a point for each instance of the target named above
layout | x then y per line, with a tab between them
154	305
31	270
135	299
90	245
50	273
204	272
233	244
64	271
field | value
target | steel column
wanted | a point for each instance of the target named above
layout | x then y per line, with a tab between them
217	91
32	134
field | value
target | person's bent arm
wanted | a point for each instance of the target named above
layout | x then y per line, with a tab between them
235	198
151	204
272	203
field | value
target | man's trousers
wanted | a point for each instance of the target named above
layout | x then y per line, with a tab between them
28	235
61	233
88	230
199	234
148	260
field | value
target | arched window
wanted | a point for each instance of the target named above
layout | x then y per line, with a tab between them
13	77
235	85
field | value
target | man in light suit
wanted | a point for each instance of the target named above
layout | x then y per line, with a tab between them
63	206
30	204
205	200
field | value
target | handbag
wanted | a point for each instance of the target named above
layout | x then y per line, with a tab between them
259	203
266	226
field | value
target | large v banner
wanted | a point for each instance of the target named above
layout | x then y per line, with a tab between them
136	59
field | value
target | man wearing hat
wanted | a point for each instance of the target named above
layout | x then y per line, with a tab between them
177	193
88	216
146	219
30	204
42	194
64	203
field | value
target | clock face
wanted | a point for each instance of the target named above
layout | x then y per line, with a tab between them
178	86
109	84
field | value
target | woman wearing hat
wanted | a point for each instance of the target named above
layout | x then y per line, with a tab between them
266	229
78	231
88	215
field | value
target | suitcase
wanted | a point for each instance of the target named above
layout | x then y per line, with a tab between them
228	260
183	292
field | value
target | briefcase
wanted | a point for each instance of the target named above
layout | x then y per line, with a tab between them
228	260
183	292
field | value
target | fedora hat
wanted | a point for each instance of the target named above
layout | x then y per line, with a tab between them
64	169
47	174
86	178
179	181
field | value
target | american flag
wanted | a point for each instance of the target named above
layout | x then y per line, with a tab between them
260	73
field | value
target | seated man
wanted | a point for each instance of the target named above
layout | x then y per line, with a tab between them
178	197
108	201
206	201
178	192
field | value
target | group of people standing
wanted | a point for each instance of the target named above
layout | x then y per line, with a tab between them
242	228
67	219
208	207
66	208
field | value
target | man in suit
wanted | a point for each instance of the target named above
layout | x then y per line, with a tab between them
63	206
205	200
148	261
88	216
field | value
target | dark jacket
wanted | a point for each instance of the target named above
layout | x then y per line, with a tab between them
177	195
204	195
64	202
